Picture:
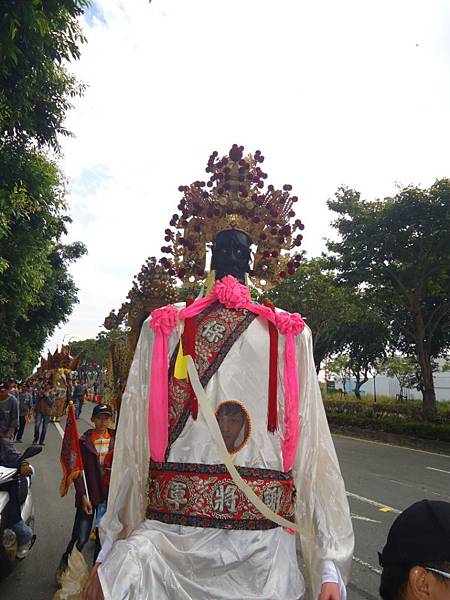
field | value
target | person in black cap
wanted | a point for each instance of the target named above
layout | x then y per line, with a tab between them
416	557
97	448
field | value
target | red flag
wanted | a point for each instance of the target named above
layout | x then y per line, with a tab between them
71	461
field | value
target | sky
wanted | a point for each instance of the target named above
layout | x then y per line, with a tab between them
333	92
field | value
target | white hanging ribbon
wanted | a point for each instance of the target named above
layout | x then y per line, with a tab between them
216	435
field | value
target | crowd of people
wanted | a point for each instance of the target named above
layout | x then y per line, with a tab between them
19	403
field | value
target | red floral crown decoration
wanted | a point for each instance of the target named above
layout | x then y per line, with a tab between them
234	198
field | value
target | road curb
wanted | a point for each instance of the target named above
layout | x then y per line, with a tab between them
394	439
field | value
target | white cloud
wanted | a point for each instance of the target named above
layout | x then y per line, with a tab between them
332	92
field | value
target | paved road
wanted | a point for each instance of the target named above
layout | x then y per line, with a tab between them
33	579
381	480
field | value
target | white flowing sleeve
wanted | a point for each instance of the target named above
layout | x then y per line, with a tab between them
127	491
322	508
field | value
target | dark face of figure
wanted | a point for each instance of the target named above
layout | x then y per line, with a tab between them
231	254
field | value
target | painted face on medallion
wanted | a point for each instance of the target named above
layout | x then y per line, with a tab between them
234	424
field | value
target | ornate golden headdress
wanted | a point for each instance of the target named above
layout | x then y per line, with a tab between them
58	360
152	287
234	198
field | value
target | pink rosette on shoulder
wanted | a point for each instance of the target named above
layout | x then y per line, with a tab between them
231	293
290	325
162	323
164	319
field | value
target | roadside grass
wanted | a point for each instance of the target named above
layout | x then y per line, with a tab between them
389	415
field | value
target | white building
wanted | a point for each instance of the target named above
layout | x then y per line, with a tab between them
388	386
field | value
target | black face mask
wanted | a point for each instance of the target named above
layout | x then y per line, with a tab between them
231	254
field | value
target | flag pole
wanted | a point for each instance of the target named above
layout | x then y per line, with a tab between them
84	476
86	487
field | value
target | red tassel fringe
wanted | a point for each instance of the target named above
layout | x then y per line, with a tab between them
189	348
272	409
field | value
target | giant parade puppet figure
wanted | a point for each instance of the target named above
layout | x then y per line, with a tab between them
223	451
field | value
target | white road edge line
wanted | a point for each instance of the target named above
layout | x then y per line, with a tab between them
440	470
363	563
59	429
350	437
374	502
360	518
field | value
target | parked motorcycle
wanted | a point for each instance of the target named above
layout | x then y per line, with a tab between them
8	541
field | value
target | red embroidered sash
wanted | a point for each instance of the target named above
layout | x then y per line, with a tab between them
217	329
206	496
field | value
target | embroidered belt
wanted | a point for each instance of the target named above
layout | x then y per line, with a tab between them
206	496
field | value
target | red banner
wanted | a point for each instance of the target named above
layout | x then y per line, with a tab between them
71	461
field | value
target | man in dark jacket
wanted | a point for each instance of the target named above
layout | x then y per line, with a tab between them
42	412
97	447
25	404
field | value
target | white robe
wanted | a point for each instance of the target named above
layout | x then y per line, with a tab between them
150	560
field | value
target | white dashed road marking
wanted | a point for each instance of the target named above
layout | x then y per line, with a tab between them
439	470
363	563
59	429
382	507
360	518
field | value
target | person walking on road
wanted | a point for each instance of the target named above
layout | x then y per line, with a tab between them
416	557
25	404
42	411
97	448
78	393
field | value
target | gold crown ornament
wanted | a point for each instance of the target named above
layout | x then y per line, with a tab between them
234	197
152	287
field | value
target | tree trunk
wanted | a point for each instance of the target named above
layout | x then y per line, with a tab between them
358	386
428	393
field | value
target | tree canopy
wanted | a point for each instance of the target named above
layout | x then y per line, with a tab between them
37	38
96	350
343	319
37	292
397	248
312	291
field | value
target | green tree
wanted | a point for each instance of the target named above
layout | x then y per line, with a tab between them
402	368
98	349
37	38
398	249
340	367
363	338
36	290
95	350
313	292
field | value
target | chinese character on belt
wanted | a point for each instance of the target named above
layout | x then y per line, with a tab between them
226	497
272	497
177	493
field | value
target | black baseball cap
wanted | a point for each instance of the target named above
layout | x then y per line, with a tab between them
102	409
3	386
419	535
